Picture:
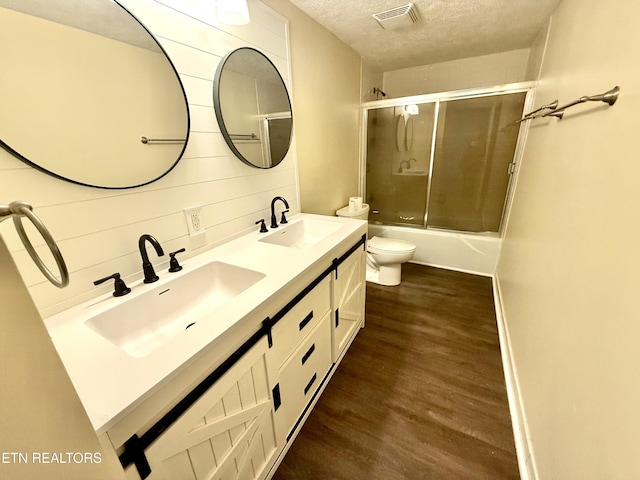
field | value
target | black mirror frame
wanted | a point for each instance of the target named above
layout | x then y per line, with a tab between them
218	108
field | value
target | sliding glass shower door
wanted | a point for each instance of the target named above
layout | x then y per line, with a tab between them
454	176
399	147
475	146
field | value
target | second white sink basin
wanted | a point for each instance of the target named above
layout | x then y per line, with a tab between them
302	234
142	323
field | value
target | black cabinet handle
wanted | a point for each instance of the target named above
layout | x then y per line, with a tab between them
306	356
277	399
310	384
306	320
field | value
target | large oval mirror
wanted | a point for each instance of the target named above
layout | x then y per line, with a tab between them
253	108
82	83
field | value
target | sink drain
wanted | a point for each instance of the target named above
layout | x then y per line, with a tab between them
190	325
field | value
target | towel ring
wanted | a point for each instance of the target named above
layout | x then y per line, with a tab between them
17	210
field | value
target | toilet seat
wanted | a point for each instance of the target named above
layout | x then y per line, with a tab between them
389	245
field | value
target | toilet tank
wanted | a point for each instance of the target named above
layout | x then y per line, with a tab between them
360	214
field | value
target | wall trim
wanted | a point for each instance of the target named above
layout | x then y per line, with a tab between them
524	450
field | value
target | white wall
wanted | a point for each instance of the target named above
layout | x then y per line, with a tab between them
371	78
97	230
568	270
483	71
39	408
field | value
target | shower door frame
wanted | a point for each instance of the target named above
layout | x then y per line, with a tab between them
436	99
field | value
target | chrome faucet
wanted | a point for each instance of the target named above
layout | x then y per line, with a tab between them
149	273
274	223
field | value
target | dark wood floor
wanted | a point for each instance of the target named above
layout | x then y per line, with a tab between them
419	395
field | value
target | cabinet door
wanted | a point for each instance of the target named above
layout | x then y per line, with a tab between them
348	297
227	434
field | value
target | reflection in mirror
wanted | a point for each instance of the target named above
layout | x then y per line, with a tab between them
253	108
82	83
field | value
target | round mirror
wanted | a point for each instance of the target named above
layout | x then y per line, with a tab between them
253	108
82	83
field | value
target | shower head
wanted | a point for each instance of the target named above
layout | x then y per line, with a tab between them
376	90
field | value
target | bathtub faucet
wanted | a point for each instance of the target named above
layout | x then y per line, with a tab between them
408	162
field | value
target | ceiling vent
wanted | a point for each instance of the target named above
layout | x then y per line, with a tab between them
398	17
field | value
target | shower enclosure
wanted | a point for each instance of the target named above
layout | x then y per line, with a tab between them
442	161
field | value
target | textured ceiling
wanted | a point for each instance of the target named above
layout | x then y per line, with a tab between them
446	29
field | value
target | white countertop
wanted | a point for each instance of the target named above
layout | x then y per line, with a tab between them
110	382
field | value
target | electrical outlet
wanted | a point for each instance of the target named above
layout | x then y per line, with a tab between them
194	220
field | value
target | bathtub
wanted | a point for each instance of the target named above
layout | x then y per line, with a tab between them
464	252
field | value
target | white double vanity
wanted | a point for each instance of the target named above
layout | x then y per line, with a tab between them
213	369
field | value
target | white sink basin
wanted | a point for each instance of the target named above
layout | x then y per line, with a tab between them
302	234
142	323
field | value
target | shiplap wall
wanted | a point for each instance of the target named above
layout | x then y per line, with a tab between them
97	230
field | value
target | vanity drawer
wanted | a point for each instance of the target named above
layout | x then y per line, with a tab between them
294	327
302	374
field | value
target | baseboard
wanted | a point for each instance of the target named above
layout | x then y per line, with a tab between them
524	451
453	269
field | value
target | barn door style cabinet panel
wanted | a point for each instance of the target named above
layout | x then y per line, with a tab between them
349	295
228	433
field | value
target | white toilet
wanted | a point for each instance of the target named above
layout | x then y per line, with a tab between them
385	256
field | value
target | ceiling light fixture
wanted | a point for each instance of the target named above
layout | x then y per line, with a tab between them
233	12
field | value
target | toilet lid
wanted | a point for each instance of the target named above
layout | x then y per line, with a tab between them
389	245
